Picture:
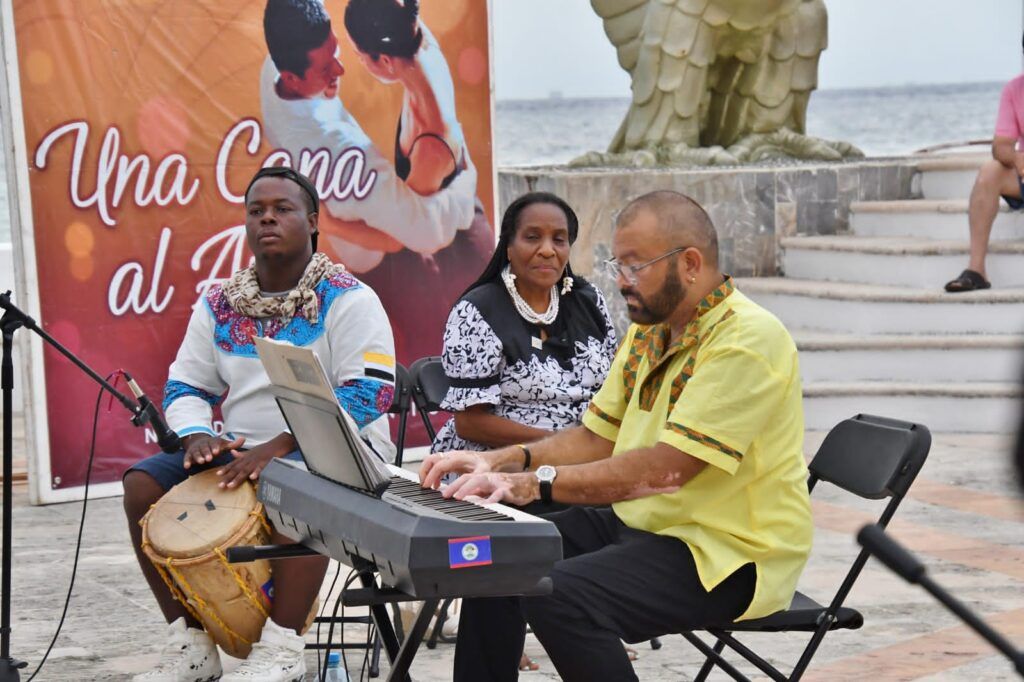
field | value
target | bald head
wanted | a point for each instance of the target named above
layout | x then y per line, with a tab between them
681	219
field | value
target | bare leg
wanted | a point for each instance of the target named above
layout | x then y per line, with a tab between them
296	584
994	179
141	491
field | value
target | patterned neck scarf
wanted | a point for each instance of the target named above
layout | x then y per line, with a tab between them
243	292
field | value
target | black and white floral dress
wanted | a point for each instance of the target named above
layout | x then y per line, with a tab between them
493	356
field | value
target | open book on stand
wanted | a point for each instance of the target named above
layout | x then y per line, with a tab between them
327	435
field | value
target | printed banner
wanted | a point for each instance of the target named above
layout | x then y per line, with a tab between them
143	122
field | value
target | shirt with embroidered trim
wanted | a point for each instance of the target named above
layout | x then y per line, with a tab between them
217	361
728	393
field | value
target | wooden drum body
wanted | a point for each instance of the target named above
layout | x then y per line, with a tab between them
186	534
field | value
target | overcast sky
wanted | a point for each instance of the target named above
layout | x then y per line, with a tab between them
544	46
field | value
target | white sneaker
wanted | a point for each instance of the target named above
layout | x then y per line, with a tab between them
189	656
277	657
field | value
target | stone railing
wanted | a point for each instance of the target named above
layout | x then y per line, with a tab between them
752	207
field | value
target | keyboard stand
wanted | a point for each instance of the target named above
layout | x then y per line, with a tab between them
376	598
400	654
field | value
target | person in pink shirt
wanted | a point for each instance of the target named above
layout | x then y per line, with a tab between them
999	176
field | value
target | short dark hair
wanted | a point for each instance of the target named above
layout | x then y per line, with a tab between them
292	29
384	27
676	214
509	225
309	195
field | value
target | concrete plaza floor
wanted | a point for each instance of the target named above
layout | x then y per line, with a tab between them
964	517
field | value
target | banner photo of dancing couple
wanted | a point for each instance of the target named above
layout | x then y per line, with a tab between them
132	128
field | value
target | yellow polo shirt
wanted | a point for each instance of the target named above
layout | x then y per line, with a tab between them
727	392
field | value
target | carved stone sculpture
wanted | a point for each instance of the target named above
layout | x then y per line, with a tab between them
716	81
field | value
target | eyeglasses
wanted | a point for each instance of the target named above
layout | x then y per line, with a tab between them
628	272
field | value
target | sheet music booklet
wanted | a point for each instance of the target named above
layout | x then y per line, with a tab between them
300	370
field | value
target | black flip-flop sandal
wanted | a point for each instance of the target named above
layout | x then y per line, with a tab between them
969	280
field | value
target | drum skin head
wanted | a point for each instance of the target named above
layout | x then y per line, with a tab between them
196	516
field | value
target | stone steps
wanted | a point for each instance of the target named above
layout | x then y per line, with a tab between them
950	177
949	406
945	358
844	307
875	331
938	358
895	261
943	219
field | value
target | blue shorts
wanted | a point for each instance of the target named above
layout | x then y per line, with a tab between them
1016	203
168	471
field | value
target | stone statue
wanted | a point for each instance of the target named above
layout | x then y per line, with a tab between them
716	81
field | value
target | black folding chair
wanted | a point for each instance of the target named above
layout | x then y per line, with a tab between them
872	457
400	406
429	387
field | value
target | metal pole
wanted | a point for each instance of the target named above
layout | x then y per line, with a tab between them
8	666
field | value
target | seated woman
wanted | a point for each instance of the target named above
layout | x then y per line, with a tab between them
528	345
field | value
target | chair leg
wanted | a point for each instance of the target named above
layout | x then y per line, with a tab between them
805	658
715	655
375	657
400	445
709	663
655	643
442	616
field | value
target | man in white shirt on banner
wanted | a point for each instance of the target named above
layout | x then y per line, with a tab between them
414	250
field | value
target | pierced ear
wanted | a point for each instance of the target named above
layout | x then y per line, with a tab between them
694	260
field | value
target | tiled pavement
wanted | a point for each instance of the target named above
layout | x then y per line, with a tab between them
964	518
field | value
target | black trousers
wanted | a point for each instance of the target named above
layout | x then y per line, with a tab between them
613	583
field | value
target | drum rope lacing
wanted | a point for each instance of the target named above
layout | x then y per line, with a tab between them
200	603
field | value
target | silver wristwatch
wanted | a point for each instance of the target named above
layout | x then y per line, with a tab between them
546	475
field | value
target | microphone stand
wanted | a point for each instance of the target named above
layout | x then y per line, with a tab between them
900	561
13	319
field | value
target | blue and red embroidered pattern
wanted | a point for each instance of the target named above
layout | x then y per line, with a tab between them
365	399
233	332
173	390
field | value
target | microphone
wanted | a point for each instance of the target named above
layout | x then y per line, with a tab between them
891	553
167	440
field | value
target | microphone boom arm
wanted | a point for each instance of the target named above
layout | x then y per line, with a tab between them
14	318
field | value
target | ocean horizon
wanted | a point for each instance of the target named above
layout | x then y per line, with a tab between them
882	122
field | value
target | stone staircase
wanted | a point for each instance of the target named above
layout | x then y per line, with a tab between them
875	330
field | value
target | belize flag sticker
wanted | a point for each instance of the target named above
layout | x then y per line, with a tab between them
466	552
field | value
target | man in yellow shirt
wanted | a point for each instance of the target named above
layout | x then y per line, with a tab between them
695	440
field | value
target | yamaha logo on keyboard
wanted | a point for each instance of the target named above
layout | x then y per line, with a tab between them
466	552
270	494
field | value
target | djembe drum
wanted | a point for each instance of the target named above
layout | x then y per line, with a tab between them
186	535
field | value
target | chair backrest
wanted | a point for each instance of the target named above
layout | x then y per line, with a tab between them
430	381
403	391
874	457
429	387
400	405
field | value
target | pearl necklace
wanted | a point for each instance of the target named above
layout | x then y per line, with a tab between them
523	308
